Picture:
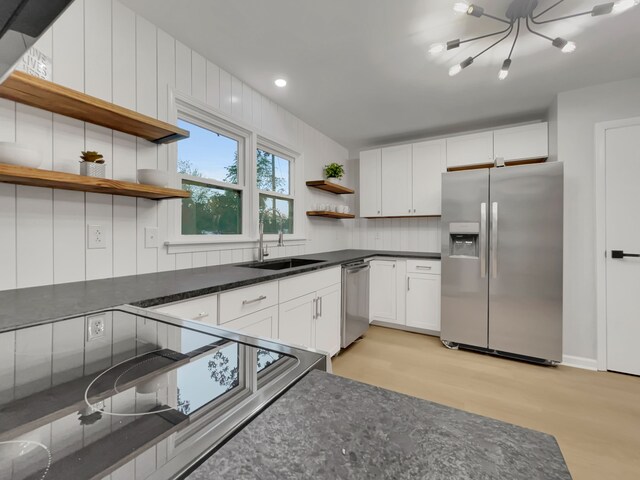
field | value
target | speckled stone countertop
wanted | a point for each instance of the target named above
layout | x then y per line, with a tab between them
31	306
328	427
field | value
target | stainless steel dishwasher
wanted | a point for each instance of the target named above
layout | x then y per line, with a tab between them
355	301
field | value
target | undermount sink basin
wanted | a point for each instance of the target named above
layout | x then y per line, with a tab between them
282	264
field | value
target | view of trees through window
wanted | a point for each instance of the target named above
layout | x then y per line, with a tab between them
274	175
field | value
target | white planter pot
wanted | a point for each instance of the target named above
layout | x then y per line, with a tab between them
337	181
90	169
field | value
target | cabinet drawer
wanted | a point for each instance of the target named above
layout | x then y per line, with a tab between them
300	285
263	324
203	308
241	302
423	266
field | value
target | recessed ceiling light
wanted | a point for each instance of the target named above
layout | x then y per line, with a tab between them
281	82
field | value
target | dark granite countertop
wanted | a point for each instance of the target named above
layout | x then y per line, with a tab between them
31	306
330	427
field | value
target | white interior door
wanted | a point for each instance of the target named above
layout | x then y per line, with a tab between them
623	234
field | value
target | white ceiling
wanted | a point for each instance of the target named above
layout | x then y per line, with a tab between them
358	69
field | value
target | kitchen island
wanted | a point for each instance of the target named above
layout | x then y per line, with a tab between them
329	427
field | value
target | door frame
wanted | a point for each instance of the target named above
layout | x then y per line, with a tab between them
601	233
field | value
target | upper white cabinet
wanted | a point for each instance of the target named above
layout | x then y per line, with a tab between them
468	150
370	183
522	143
429	163
396	181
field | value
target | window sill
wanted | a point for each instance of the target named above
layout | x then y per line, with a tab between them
189	245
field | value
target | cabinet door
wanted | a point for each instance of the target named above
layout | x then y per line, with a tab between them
467	150
396	181
296	318
370	183
423	301
327	324
204	309
263	324
382	294
522	143
429	163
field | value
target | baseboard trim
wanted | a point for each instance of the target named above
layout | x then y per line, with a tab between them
580	362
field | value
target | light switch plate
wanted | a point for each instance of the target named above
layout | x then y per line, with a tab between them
151	237
95	237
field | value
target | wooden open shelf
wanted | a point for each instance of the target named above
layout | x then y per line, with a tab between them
34	177
330	215
330	187
30	90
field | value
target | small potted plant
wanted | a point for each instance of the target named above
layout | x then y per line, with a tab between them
334	172
92	165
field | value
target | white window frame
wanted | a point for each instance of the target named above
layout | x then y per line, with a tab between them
186	107
265	144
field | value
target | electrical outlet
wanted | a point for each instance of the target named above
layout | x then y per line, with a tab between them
95	237
151	237
95	327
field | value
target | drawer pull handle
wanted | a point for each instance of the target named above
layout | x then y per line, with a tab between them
422	267
259	299
201	315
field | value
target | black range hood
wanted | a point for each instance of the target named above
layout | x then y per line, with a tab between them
21	24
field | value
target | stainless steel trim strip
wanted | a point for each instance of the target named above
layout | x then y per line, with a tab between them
494	239
483	240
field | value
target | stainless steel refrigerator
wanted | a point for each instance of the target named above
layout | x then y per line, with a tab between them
502	260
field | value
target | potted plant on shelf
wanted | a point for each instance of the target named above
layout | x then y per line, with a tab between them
92	164
334	172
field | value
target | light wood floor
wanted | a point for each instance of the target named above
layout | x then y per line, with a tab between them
595	416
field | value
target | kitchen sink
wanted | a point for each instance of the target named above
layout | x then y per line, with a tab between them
281	264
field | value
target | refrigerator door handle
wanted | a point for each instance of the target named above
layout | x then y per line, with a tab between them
494	239
483	240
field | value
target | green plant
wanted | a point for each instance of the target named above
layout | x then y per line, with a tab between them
334	170
92	157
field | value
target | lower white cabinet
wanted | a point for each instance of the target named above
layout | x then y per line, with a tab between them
313	320
262	324
423	301
382	294
296	320
204	309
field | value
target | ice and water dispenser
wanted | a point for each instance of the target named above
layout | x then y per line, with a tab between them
464	239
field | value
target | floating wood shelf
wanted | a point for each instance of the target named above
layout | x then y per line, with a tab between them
330	187
35	177
30	90
330	215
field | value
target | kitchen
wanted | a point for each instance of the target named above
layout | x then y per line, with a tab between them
267	256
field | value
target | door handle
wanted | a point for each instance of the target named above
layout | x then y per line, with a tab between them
408	284
320	306
483	240
622	254
315	308
494	239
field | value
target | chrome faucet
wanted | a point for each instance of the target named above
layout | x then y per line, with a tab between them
263	250
280	238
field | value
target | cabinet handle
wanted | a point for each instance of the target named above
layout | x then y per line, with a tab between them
315	309
414	210
422	267
408	284
409	210
259	299
321	305
201	315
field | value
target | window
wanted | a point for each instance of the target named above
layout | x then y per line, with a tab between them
210	165
274	174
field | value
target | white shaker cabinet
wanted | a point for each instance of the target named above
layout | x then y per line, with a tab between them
429	163
396	181
469	150
423	301
262	324
296	320
524	142
370	190
383	291
327	321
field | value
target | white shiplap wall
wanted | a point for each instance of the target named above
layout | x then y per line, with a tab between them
398	234
104	49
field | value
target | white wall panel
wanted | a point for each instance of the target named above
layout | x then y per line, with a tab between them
236	98
99	211
7	359
198	77
183	68
7	204
124	57
34	210
97	48
213	85
225	92
68	47
146	74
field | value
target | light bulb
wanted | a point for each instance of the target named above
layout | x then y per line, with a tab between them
281	82
570	47
456	69
504	71
460	7
437	48
563	45
622	5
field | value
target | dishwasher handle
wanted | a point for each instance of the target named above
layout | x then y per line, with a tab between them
357	268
